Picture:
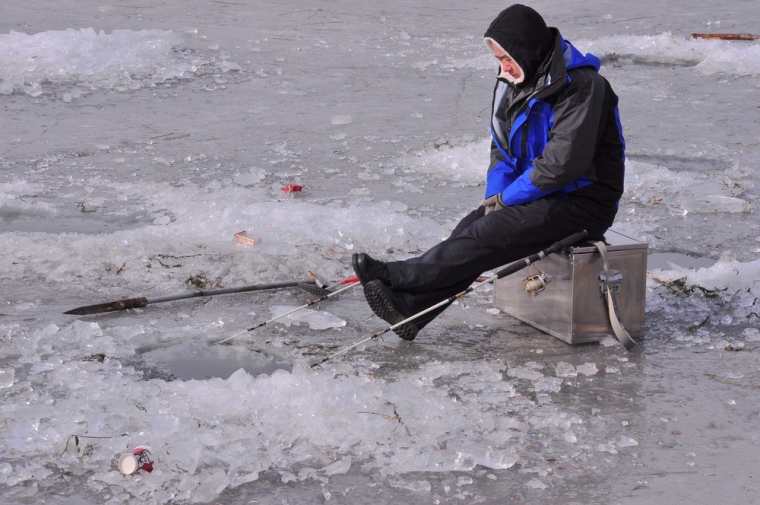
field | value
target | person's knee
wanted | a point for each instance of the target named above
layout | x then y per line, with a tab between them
467	221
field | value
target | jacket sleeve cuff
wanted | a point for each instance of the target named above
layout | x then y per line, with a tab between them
522	190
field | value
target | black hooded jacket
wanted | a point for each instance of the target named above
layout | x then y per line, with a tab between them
557	132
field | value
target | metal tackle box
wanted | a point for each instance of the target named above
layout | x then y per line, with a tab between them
562	294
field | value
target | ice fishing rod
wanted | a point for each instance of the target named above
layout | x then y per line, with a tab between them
507	270
347	283
313	285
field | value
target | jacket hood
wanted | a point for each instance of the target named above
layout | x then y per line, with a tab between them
523	34
564	57
575	59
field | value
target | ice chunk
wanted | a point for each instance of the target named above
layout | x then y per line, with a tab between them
84	59
548	385
625	441
229	66
682	193
462	163
210	483
499	461
7	376
587	369
85	330
564	369
523	372
340	466
717	203
535	484
315	319
416	486
751	334
709	56
341	119
609	342
609	447
251	177
6	469
727	274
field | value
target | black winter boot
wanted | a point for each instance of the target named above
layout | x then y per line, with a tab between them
381	300
369	269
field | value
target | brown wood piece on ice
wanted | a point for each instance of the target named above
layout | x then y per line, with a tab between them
726	36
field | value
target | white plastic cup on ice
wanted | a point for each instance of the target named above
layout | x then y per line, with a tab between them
137	459
127	463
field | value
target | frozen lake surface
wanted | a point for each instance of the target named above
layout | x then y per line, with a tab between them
138	139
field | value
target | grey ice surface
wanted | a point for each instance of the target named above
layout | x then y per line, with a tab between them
130	157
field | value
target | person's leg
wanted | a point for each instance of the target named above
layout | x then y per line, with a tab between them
482	243
421	300
396	306
368	268
449	267
467	220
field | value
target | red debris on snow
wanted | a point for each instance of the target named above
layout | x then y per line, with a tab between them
144	459
292	188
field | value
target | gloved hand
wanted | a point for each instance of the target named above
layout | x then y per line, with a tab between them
492	203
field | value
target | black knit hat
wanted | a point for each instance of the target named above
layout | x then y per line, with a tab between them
523	33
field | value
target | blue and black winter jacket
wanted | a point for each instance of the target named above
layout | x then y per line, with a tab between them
560	133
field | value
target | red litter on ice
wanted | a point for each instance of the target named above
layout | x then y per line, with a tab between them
138	459
292	188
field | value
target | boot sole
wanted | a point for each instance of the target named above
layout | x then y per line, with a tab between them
382	305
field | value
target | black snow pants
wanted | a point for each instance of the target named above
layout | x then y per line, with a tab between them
482	242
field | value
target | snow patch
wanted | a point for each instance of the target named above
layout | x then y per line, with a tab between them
88	59
191	227
708	56
727	276
466	163
751	334
735	284
587	369
682	192
304	425
7	376
536	484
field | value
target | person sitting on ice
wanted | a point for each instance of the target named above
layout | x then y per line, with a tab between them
557	164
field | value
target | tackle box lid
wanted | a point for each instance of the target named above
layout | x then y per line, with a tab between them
615	242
